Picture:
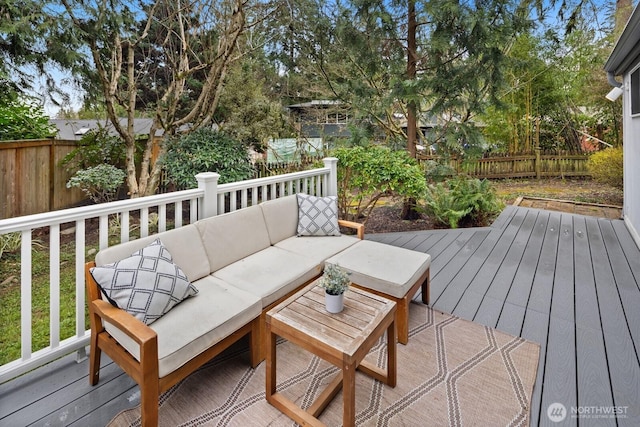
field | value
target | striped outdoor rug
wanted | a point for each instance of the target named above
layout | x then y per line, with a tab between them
452	372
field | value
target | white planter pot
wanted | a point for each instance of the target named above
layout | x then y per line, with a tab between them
334	303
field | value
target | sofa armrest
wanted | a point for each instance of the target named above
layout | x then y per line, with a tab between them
125	322
355	225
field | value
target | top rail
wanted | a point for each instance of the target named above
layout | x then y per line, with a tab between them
73	214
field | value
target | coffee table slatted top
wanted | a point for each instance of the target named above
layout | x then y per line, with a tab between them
339	334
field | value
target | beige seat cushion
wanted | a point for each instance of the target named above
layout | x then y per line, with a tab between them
384	268
197	323
318	249
184	244
269	274
230	237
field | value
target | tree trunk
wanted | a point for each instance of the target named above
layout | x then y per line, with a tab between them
411	75
409	207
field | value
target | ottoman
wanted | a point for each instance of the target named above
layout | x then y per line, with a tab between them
389	271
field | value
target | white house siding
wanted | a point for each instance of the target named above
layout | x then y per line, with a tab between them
631	131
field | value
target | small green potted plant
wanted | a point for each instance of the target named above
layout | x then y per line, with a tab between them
335	282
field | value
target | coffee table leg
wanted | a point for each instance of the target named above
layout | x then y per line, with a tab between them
391	355
270	364
349	394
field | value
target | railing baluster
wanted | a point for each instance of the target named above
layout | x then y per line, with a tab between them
80	260
177	207
25	294
124	226
54	285
144	222
104	232
243	198
221	206
193	210
162	218
254	195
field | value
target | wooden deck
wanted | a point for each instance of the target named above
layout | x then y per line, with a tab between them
569	282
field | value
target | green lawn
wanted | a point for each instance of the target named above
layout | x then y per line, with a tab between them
10	300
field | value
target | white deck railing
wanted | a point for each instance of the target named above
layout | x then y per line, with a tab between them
132	218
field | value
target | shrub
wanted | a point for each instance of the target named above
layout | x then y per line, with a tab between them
96	147
205	150
24	120
462	200
606	166
100	183
436	171
365	174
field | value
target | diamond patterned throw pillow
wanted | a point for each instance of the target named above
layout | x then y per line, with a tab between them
317	216
147	284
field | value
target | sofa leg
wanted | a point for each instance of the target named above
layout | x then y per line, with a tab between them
255	343
149	400
402	319
94	360
262	337
425	288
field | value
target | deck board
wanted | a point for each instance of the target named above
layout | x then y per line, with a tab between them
536	328
568	282
477	288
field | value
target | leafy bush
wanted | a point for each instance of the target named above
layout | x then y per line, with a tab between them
95	148
100	183
206	150
365	174
470	200
437	171
20	120
606	166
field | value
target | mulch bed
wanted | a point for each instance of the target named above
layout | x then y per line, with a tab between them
387	219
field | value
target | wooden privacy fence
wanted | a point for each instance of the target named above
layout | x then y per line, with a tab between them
520	166
31	179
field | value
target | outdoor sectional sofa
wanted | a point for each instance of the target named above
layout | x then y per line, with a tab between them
242	264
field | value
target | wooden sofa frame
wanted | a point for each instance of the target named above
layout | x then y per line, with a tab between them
145	372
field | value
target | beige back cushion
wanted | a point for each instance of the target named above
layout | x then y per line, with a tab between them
230	237
281	217
184	244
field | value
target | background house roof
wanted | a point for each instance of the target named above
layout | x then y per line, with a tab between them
74	129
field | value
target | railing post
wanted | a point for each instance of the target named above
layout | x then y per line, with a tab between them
208	181
332	164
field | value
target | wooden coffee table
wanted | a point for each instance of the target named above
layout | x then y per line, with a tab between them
342	339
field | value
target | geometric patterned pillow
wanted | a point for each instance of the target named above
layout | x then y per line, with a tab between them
317	216
147	284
